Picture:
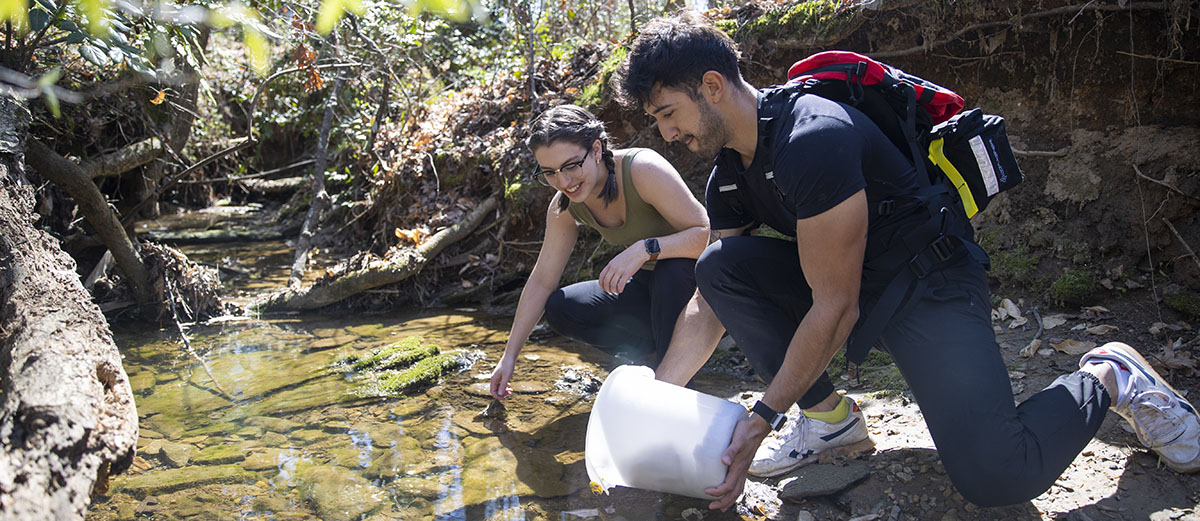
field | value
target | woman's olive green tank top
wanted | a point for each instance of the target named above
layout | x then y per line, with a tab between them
642	221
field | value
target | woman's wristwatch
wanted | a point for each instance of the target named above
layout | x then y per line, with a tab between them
652	249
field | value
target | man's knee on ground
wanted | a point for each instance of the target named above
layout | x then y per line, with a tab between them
991	480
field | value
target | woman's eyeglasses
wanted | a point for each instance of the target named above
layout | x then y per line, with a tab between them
543	175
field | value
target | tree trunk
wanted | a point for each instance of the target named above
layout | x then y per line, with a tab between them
67	417
68	176
378	274
320	199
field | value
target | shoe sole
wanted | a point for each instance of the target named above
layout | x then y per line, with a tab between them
849	451
1142	365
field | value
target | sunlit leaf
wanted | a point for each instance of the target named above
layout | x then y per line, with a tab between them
14	11
257	45
96	13
49	78
52	102
93	54
456	10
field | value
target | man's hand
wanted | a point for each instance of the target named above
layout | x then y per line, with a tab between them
619	270
747	436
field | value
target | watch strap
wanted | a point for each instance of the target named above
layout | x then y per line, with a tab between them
774	419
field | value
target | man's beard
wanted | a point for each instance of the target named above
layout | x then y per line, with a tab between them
714	133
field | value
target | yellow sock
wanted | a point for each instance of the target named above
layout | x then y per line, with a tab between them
838	413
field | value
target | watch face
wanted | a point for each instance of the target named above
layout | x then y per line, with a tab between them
652	246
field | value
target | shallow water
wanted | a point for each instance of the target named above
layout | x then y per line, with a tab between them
280	436
291	440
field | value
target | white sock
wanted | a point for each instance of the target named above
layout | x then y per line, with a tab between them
1121	373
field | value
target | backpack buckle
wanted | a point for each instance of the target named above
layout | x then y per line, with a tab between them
886	206
925	261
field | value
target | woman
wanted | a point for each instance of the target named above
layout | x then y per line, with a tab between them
634	198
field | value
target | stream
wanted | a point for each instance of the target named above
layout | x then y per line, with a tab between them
289	438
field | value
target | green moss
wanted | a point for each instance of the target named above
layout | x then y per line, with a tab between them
1013	265
161	482
812	19
515	191
1074	286
878	374
1186	303
421	374
400	354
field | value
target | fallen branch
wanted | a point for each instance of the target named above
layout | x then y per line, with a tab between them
381	273
1186	246
126	159
67	415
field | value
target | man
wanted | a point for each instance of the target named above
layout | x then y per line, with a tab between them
824	173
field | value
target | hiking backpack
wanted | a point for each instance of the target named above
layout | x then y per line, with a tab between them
969	152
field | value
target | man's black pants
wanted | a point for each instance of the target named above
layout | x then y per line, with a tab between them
637	322
995	452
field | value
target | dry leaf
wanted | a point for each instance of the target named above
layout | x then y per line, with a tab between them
160	97
996	315
1073	347
1018	322
1012	309
1054	321
1102	329
1095	311
1032	348
1016	375
1045	352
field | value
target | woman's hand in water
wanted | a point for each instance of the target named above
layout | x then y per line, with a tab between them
500	377
619	270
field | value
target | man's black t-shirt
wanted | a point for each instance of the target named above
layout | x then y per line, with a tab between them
822	152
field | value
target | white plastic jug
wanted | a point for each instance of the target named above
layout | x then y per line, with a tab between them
648	434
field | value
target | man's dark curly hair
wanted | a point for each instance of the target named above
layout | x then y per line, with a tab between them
674	52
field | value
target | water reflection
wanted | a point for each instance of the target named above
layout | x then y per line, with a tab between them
291	441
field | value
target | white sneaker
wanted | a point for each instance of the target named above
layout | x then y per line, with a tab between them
1163	421
806	440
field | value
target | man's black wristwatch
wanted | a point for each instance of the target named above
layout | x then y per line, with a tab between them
774	419
652	248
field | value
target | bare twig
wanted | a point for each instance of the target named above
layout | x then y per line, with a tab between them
247	176
1162	183
1186	246
1159	58
1040	153
187	344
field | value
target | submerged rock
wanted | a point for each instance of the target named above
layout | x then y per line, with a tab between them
161	482
273	424
337	493
177	454
219	454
